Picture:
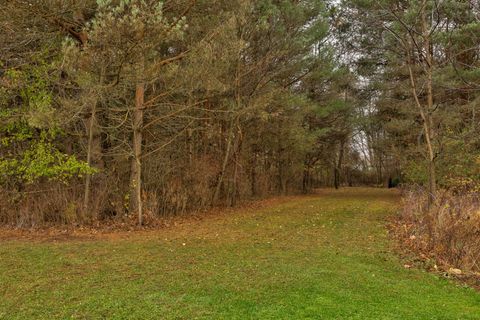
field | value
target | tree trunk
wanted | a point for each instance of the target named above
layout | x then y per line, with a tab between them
429	128
231	132
233	196
338	166
425	112
94	151
282	180
307	176
253	175
136	174
238	151
226	158
306	179
426	119
88	177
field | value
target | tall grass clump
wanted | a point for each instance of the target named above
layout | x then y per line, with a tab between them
446	232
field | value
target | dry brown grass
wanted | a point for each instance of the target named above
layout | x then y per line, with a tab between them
55	204
446	234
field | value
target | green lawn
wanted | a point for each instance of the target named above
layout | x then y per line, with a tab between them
320	257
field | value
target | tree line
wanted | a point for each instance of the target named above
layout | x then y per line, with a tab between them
151	108
141	109
418	64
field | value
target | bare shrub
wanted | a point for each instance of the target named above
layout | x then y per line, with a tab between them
48	205
448	231
51	204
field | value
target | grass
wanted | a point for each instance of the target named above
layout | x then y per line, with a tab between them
320	257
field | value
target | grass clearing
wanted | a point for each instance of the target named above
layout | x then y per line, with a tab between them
320	257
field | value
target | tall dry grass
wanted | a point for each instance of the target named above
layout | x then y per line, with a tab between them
52	204
447	231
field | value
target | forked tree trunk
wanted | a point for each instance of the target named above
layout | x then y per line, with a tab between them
226	158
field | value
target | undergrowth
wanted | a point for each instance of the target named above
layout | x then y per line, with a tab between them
444	235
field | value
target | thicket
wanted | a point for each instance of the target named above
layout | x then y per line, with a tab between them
447	233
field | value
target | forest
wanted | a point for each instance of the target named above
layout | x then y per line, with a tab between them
114	108
148	108
136	112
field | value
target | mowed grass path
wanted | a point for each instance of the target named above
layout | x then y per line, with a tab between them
321	257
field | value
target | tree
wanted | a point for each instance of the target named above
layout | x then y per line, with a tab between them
406	53
31	118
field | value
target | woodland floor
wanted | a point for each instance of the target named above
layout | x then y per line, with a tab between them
326	256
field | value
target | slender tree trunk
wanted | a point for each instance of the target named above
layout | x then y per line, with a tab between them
338	166
88	177
306	173
94	148
136	175
236	165
190	146
226	158
282	179
137	140
427	61
474	118
426	119
429	71
253	175
336	178
231	131
307	181
233	197
425	112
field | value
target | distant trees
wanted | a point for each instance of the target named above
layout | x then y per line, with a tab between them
406	55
